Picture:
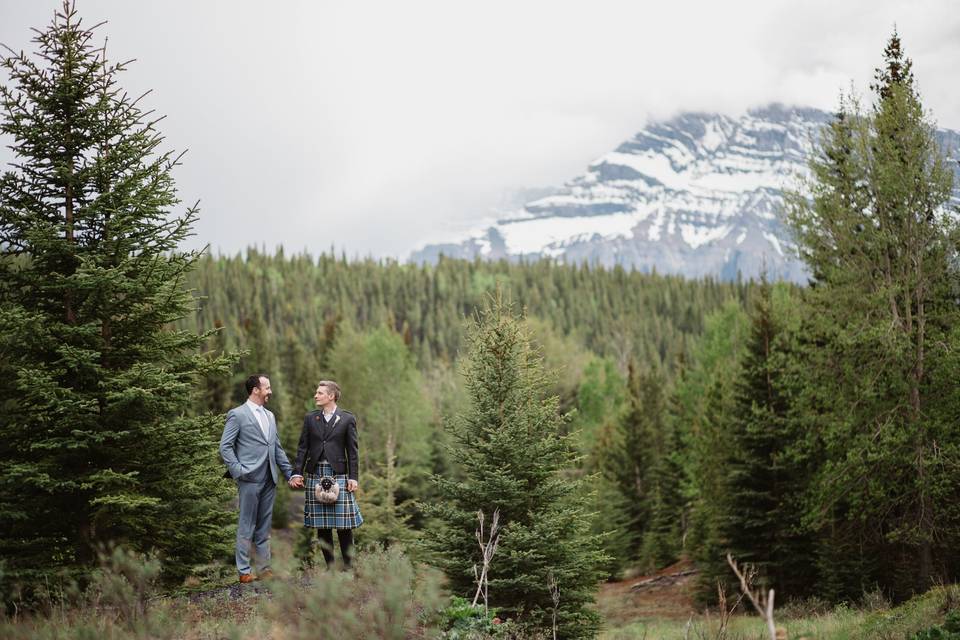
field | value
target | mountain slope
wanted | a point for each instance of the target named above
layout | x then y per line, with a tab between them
697	195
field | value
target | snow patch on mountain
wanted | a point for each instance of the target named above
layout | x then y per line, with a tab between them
699	194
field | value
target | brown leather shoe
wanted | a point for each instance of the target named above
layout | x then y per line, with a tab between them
246	577
266	574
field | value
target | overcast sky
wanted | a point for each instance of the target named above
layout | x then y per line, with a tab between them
375	127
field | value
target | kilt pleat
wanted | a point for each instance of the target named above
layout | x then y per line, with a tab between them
343	514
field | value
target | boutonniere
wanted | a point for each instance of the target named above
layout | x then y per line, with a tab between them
336	419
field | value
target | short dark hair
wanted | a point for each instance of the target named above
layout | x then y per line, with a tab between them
253	382
331	387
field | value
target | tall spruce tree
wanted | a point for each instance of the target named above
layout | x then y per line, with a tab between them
639	461
601	398
516	460
97	442
764	468
662	536
627	459
611	521
877	234
700	409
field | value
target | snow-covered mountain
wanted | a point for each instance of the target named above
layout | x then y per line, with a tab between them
696	195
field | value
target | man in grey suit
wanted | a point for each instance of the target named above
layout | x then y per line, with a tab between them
251	450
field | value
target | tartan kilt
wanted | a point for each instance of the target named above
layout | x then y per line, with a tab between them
343	514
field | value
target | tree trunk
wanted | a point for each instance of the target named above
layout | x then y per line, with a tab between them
924	565
68	295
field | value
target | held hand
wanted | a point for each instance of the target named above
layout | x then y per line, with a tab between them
352	485
296	482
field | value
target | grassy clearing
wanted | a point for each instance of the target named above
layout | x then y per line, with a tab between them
896	623
740	628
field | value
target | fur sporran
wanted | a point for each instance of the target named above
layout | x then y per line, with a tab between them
326	490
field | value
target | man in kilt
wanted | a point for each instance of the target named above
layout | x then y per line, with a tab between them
328	448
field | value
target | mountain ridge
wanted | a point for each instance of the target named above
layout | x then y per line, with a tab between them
695	195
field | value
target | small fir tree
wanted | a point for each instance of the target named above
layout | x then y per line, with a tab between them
514	459
97	440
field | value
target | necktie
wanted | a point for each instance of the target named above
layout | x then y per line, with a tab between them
262	419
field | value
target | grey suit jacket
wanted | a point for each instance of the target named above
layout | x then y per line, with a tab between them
244	448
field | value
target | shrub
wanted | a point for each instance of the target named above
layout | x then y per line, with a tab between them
912	618
383	598
874	600
950	630
805	608
461	620
124	583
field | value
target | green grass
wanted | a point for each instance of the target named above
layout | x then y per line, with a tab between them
836	625
897	623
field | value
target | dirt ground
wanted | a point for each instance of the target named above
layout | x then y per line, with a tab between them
666	594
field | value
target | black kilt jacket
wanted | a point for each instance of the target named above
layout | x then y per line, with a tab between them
335	441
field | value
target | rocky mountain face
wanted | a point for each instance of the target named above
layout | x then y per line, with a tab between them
697	195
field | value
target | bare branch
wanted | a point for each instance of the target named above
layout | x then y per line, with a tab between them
762	603
487	549
554	588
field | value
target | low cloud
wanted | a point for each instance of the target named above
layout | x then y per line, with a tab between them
374	127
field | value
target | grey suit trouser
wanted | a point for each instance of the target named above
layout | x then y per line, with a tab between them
256	515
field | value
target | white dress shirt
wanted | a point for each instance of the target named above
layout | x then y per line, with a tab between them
261	417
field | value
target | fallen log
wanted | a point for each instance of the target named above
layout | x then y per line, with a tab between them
662	580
